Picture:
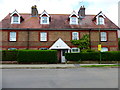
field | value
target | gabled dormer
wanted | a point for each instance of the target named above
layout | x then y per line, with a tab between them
44	18
15	17
99	19
74	18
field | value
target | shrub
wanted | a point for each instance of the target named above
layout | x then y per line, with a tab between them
93	56
9	55
46	56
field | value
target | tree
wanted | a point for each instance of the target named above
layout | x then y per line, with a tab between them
119	43
83	43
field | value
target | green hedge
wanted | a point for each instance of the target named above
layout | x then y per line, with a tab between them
93	56
30	56
9	55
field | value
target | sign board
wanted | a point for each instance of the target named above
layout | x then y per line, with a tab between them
99	47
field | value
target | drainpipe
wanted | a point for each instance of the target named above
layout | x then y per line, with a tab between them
28	39
90	37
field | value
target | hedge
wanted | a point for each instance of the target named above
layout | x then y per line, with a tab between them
30	56
93	56
9	55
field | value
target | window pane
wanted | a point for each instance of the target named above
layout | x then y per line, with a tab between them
103	36
75	36
15	19
104	49
43	36
73	20
44	19
12	48
75	50
100	20
12	36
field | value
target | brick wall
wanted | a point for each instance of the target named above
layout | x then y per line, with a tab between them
34	39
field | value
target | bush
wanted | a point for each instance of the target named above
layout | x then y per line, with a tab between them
30	56
93	56
9	55
45	56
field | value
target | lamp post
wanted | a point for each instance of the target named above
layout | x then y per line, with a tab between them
100	46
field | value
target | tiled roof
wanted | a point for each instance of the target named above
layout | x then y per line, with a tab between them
57	21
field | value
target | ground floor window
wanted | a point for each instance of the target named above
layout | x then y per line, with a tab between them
74	50
12	48
104	49
43	48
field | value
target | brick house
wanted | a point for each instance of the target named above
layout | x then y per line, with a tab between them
54	31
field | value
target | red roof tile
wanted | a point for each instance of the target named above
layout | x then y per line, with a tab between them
57	21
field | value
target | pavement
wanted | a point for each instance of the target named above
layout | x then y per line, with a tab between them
44	66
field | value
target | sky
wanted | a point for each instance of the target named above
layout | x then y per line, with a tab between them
108	7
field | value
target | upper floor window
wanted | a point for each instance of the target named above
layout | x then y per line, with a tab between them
43	36
15	18
75	36
12	36
44	18
103	36
100	21
73	20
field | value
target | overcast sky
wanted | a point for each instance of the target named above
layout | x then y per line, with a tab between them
108	7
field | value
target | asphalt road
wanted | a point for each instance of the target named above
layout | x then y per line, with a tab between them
60	78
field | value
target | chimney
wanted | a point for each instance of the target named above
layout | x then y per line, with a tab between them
34	11
81	11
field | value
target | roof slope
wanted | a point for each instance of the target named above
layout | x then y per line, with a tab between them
57	21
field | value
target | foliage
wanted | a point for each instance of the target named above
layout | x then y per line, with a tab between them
9	55
83	43
93	56
119	43
30	56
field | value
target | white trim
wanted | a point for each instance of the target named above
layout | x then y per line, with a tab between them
77	36
59	44
43	38
98	16
41	19
74	13
75	48
12	38
71	18
12	17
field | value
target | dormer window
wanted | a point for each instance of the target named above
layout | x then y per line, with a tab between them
15	18
44	18
100	20
74	18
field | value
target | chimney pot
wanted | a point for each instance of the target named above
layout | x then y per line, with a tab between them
34	11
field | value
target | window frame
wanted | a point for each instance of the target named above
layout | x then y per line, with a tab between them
75	51
100	20
43	48
107	49
103	38
12	37
42	36
75	36
12	48
74	20
43	19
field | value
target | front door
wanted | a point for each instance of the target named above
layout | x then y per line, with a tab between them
63	60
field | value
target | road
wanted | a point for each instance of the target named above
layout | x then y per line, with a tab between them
60	78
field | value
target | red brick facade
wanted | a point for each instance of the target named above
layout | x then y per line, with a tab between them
29	27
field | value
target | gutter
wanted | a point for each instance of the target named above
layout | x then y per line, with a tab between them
59	29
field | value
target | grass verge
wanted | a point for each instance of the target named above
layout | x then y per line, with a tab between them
100	66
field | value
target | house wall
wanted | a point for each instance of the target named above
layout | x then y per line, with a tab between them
34	39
